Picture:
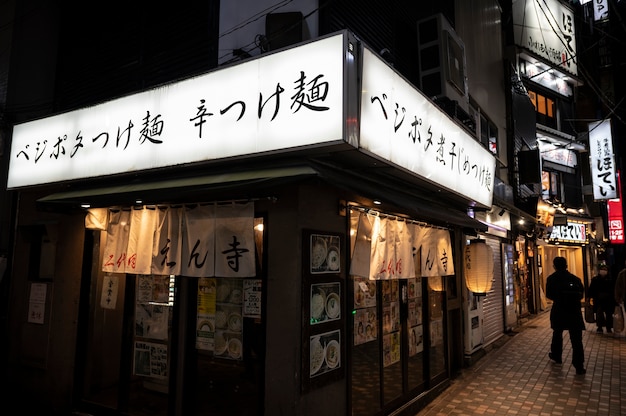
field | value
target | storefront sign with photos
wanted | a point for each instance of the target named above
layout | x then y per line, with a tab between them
322	308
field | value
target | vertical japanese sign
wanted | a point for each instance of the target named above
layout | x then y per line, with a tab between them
600	10
601	160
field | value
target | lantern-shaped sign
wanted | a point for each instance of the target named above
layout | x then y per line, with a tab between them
478	265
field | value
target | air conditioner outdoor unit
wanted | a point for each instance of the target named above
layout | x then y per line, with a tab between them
442	64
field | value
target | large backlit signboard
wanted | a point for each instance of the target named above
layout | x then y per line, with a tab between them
546	28
602	162
277	102
399	124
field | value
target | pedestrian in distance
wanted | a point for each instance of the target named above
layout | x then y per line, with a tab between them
566	290
602	295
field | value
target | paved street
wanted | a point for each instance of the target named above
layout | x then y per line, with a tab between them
518	378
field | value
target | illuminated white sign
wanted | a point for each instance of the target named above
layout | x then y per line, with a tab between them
573	232
400	125
547	79
551	153
600	10
601	160
546	28
277	102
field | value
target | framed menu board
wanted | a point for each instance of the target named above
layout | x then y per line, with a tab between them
323	308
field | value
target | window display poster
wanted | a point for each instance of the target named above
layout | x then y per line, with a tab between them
365	324
325	302
150	360
436	332
391	349
391	317
252	291
415	312
416	340
205	320
364	292
325	353
37	303
229	319
151	321
153	288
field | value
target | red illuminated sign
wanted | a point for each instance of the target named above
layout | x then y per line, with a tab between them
616	216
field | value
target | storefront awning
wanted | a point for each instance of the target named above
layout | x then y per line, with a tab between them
414	200
254	183
161	191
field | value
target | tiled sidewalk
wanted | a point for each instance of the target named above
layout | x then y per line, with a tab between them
519	379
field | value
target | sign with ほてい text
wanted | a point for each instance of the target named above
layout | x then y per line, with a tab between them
602	162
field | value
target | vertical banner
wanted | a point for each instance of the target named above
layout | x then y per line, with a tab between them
234	240
437	253
198	257
601	160
168	243
360	263
404	250
380	262
116	242
141	240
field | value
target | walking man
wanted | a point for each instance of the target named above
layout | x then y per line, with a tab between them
566	290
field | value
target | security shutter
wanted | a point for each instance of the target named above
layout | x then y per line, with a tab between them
493	309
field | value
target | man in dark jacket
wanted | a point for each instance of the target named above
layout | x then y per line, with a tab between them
566	291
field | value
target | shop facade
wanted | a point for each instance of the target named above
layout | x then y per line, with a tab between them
261	239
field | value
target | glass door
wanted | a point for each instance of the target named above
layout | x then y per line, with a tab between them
125	340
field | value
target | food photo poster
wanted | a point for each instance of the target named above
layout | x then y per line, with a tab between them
325	254
325	302
325	353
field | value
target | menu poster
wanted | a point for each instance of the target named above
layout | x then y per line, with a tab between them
364	292
205	319
325	353
391	349
252	291
325	302
150	360
365	324
325	254
416	340
37	303
151	321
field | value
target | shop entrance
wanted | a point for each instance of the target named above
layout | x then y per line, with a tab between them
166	345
